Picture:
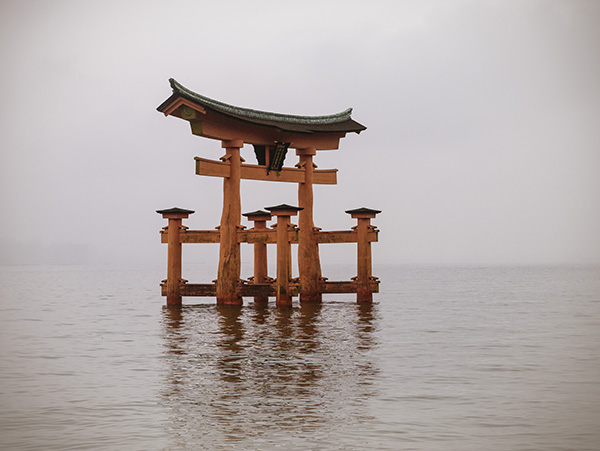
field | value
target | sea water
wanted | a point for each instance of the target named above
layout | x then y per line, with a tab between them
447	358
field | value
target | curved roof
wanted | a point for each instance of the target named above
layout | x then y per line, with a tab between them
338	122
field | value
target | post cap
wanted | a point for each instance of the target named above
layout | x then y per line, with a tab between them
258	215
284	210
363	212
175	213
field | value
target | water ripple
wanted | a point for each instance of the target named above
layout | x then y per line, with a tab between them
447	358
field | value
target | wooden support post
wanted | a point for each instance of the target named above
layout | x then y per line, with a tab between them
283	213
229	250
364	265
260	219
174	215
309	266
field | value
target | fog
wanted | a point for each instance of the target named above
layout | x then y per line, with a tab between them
483	123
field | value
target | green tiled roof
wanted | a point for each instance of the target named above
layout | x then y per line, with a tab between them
339	122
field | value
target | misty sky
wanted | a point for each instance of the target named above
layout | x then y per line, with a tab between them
483	139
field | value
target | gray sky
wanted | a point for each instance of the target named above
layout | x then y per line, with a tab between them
483	139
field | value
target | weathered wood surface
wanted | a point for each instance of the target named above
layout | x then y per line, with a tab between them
309	266
284	267
200	236
269	236
268	289
228	272
173	262
214	168
264	236
364	266
332	286
199	289
342	236
265	290
261	267
244	290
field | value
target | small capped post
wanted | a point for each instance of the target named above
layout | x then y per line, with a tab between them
174	227
283	213
364	265
260	218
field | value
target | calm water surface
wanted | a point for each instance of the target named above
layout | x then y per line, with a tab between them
448	358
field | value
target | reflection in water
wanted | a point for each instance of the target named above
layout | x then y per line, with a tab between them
260	376
490	358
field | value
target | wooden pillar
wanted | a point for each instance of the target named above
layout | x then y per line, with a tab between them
228	274
174	215
364	265
309	266
283	213
260	219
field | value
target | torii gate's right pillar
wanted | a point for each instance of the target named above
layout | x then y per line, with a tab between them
309	267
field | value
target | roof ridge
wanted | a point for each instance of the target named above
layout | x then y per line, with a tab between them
257	114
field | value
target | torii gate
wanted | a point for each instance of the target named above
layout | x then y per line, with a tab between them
271	135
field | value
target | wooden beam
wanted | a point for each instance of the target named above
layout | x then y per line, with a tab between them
268	289
195	236
201	236
244	236
338	287
258	236
332	286
216	126
214	168
244	290
343	236
269	236
199	289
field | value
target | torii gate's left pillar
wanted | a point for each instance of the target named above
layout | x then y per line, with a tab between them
229	251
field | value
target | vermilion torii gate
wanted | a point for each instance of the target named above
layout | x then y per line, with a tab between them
271	135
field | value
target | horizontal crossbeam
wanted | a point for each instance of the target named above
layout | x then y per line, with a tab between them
214	168
245	290
346	286
269	236
268	289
